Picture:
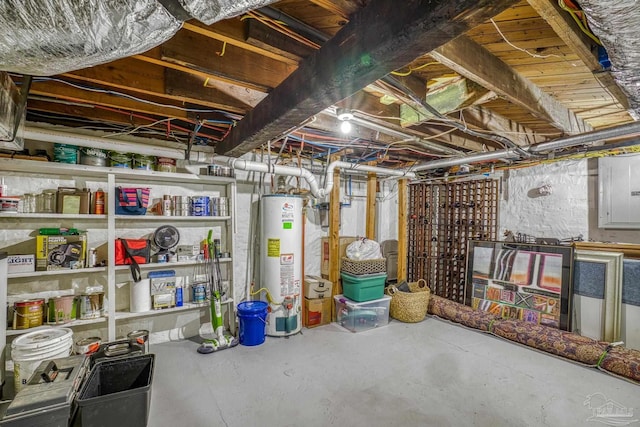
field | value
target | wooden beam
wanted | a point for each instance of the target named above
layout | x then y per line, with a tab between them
483	118
586	49
403	193
138	77
154	56
380	38
83	111
233	32
476	63
334	238
235	64
372	182
68	93
275	42
192	89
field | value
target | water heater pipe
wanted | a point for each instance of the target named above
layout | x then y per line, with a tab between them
248	165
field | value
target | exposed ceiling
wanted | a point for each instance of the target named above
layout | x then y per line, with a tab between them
516	72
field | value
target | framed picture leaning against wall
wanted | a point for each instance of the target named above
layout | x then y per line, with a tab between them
527	282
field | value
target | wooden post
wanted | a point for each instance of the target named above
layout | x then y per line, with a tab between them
402	229
371	205
334	238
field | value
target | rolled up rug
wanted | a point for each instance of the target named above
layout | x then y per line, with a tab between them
617	360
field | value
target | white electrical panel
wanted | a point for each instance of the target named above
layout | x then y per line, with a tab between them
619	192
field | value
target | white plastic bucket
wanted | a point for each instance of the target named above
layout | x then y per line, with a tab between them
30	349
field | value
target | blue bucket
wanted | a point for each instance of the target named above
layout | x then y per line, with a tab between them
252	318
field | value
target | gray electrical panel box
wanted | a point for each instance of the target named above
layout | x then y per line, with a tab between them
619	192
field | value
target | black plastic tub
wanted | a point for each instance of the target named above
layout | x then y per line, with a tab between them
117	393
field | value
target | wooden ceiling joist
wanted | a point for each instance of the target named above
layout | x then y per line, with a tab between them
380	38
144	78
469	59
233	32
172	109
484	118
275	42
585	48
236	64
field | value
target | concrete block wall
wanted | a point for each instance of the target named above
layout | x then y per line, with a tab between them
563	213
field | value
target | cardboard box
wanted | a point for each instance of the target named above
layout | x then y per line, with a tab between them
317	312
21	263
317	287
187	252
344	242
57	252
163	289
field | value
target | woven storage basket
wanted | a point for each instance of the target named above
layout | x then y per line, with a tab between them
410	307
367	266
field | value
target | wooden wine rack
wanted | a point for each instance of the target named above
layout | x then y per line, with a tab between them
442	219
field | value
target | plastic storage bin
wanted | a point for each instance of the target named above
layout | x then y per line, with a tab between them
361	316
364	287
47	398
117	393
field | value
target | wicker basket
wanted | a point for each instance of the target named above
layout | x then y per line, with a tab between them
410	307
367	266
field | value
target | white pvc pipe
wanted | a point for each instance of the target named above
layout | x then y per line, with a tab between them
315	189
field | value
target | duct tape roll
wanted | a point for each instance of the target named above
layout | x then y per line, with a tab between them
140	296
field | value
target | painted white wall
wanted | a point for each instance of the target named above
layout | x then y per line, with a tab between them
562	214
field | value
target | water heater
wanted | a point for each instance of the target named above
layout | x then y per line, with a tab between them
281	261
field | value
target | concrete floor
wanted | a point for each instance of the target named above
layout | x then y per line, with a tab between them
429	374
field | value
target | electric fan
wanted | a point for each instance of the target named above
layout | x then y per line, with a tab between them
166	238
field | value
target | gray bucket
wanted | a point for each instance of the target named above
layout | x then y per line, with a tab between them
93	157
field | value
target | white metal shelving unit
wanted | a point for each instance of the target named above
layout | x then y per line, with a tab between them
112	177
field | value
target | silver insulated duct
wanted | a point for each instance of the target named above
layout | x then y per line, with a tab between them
210	11
616	24
46	37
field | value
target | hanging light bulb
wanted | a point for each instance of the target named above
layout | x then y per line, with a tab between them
344	116
345	126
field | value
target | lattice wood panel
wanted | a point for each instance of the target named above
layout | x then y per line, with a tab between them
442	218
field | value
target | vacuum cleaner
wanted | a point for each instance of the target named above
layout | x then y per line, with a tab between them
221	340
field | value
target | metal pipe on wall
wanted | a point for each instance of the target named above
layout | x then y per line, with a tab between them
586	138
560	143
474	158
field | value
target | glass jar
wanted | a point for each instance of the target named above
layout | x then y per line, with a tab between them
48	201
28	203
38	203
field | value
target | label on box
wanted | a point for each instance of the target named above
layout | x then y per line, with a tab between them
163	282
21	263
187	251
60	252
